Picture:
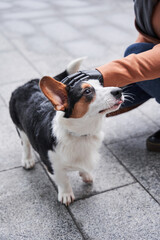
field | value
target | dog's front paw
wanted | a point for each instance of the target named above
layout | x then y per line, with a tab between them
28	163
86	177
66	197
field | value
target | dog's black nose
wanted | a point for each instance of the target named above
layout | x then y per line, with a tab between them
117	93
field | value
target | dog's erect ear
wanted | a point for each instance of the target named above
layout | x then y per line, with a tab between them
55	91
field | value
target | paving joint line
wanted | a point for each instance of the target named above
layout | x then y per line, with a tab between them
22	81
16	167
105	191
94	193
4	102
75	222
86	197
21	53
133	176
67	208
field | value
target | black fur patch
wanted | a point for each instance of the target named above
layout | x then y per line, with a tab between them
33	113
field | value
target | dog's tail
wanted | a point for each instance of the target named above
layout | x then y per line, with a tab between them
72	67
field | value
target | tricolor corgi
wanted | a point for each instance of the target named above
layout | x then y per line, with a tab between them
63	125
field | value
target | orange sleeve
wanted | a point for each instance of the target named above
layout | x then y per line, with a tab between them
133	68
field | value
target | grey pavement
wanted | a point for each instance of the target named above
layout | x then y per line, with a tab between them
40	38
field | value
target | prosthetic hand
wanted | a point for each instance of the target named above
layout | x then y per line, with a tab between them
85	75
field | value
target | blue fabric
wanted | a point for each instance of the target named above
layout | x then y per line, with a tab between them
142	91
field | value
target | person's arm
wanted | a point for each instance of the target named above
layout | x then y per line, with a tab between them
131	69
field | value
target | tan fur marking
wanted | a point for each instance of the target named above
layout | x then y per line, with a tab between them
80	108
85	85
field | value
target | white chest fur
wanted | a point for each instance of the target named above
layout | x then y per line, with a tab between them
78	143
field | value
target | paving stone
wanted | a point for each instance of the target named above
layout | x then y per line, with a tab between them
127	125
124	20
27	15
85	47
110	34
107	175
97	9
144	165
10	147
4	44
32	4
54	30
5	5
14	67
7	89
71	3
152	110
83	21
29	208
14	28
47	59
125	213
39	21
2	103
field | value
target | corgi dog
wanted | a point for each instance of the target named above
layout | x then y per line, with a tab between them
63	125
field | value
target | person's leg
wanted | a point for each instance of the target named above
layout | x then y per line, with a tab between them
149	87
152	88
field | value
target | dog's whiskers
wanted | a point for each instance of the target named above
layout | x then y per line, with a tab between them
127	96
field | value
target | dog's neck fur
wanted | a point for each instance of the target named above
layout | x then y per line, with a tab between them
79	127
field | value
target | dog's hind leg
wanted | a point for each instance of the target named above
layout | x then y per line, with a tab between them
27	161
86	177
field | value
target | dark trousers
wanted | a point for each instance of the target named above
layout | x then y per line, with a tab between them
142	91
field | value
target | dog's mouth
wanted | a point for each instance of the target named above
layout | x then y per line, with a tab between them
114	107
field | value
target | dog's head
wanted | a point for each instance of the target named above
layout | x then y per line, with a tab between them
86	98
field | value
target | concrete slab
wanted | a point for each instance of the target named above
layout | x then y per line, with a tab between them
2	103
5	5
45	55
54	31
127	125
97	8
110	36
23	14
31	4
71	4
151	109
83	22
29	208
10	147
6	90
84	47
125	213
15	28
14	67
144	165
5	45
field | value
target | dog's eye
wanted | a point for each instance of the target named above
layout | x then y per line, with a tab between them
87	91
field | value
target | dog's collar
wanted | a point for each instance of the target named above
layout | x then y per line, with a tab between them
77	135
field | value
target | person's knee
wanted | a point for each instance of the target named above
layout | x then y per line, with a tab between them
138	48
